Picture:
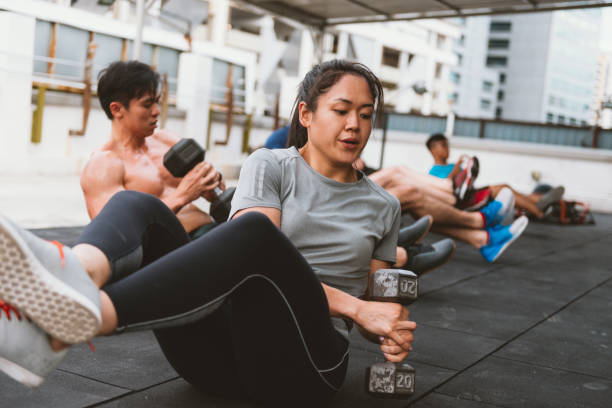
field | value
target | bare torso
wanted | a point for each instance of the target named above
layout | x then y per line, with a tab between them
139	169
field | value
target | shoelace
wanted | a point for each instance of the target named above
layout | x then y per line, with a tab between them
7	309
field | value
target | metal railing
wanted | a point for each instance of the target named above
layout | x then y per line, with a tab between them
519	131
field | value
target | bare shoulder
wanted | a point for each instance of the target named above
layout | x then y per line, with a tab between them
165	137
104	166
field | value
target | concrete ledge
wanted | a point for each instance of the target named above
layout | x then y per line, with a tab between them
506	146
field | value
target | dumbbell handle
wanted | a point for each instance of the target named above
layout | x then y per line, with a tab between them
218	191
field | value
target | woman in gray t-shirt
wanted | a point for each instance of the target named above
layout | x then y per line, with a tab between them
343	224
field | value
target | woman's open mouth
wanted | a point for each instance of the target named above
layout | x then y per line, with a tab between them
350	143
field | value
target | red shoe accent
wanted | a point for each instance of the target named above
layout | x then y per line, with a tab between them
7	309
60	247
91	346
484	219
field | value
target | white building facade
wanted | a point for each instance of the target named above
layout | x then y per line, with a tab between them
477	87
546	65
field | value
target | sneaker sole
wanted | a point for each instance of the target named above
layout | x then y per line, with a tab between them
514	237
468	181
18	373
54	306
438	266
426	231
550	197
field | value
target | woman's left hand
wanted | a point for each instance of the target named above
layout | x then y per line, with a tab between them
394	352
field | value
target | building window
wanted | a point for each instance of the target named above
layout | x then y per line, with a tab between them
438	72
335	41
572	121
461	40
440	41
220	74
561	119
390	57
454	97
502	78
552	100
499	44
497	61
168	59
455	78
500	95
459	59
389	86
549	117
498	112
500	26
485	104
583	123
487	86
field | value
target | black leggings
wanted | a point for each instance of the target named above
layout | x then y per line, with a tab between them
237	312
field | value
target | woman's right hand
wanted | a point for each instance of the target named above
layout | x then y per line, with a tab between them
391	321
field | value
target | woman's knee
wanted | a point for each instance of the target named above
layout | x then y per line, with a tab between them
256	222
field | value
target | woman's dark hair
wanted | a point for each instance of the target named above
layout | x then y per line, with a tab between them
123	81
318	81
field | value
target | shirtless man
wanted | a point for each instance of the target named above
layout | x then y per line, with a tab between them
132	158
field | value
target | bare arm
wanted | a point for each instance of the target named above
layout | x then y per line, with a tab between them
456	168
101	179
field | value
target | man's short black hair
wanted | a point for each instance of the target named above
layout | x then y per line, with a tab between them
123	81
436	137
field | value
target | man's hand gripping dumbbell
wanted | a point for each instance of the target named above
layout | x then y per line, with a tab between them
388	379
184	156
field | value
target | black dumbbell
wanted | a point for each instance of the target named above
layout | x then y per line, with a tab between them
181	158
393	380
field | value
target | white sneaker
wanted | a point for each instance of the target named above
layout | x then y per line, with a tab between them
47	282
25	352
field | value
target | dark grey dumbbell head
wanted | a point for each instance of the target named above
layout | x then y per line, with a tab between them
220	208
390	379
394	285
183	156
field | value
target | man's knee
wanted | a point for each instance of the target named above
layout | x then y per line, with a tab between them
412	193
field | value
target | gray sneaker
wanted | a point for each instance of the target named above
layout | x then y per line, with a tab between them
424	258
550	197
47	283
414	232
25	353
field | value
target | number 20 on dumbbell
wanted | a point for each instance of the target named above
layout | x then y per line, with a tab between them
386	379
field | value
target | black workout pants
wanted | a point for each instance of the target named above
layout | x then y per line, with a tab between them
237	312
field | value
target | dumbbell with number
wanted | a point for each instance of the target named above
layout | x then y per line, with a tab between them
393	380
181	158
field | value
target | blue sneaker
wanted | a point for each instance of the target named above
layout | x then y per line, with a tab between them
500	238
501	210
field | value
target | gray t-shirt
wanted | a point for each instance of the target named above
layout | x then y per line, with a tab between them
338	227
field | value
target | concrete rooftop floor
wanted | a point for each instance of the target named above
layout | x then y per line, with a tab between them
532	330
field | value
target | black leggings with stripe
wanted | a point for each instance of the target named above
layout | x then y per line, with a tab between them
237	312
